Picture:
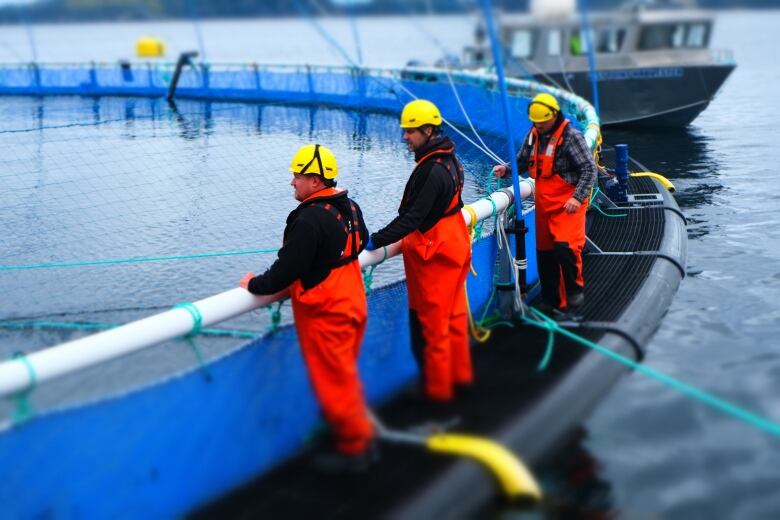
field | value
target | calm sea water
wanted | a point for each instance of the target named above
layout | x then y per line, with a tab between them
647	451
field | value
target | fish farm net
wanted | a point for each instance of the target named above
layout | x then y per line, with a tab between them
118	205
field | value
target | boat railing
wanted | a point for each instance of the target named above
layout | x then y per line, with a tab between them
22	373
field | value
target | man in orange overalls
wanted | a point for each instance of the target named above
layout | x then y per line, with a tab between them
556	155
318	262
437	253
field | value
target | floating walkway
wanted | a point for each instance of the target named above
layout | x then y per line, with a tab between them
531	410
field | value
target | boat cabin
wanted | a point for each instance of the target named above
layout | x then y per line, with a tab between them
620	38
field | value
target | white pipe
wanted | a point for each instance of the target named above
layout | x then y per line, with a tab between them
85	352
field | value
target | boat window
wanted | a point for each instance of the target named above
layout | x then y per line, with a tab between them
554	42
697	35
673	36
662	36
522	43
610	40
678	36
607	40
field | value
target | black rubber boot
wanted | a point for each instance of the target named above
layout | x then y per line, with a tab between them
568	265
549	277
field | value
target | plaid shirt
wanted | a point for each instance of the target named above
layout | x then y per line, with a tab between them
573	160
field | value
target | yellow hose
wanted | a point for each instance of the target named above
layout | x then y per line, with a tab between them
513	476
472	231
657	176
479	334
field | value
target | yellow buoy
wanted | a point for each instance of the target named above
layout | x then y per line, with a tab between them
149	47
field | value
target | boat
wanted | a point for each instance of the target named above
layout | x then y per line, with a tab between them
653	64
186	442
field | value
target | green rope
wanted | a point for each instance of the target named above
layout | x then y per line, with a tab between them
368	274
548	349
134	260
276	317
690	390
197	319
590	203
234	333
23	409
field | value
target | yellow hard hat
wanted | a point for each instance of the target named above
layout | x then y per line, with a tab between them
543	107
420	112
314	159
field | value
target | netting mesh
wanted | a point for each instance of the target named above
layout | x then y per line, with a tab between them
110	204
115	205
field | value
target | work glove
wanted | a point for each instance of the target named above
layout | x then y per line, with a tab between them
370	245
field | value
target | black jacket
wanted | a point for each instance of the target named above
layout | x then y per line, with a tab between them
427	195
313	242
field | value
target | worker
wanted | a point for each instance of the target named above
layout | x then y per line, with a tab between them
557	157
436	251
318	262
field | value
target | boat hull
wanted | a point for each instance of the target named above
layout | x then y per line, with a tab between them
647	97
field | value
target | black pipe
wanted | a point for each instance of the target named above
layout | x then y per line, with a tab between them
185	58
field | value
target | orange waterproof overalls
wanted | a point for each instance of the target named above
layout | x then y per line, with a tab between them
560	236
331	320
436	264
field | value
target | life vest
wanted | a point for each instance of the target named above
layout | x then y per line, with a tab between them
350	224
541	166
454	169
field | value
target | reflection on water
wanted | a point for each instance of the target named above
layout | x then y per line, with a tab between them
574	487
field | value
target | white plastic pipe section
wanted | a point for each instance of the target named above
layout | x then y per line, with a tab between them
19	374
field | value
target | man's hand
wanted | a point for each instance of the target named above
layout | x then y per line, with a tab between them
245	280
500	170
572	205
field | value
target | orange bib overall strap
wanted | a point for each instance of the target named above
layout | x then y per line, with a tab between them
436	264
331	320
